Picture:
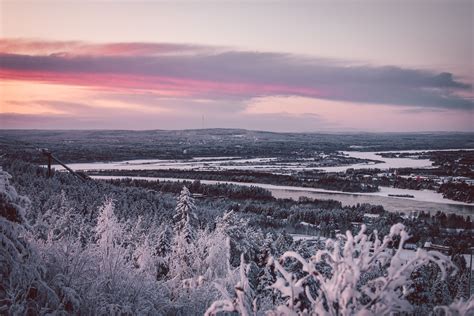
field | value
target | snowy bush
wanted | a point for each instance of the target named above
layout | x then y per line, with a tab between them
349	258
22	287
337	281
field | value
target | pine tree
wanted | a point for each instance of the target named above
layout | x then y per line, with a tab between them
462	291
185	217
181	260
266	250
164	241
283	243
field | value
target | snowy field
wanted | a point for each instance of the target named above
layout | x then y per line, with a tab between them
269	164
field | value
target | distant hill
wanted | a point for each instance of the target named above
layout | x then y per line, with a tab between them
110	145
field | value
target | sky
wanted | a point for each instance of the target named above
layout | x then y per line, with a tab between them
288	66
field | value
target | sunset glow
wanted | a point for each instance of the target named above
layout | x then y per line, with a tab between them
72	76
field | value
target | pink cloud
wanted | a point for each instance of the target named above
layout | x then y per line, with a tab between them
75	48
189	70
167	86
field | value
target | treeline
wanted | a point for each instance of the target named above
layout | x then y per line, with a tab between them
457	191
454	163
213	190
302	179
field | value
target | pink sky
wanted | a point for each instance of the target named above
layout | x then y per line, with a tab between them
381	67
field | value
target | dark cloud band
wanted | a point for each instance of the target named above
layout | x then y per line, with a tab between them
245	75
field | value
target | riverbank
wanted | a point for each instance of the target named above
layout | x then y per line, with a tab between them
427	201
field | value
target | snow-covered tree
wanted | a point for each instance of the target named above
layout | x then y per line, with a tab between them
242	241
282	243
349	258
163	246
110	254
109	231
243	301
164	240
218	255
181	259
23	289
266	251
341	291
185	217
145	259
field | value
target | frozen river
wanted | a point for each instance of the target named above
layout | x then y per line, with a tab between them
386	163
425	200
269	164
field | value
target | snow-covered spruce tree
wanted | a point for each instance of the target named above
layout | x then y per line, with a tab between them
185	217
181	260
163	242
283	242
109	230
266	251
246	241
439	292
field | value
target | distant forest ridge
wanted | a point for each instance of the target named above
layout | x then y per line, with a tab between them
115	145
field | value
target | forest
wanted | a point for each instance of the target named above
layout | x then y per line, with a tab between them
117	145
309	179
159	248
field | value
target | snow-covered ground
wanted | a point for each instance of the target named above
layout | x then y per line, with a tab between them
199	163
386	163
297	237
269	164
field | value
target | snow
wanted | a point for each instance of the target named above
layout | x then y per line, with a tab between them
371	215
264	164
386	163
419	195
202	163
298	237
